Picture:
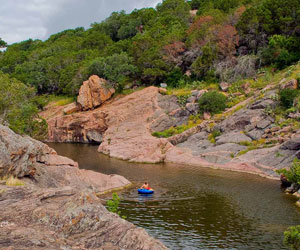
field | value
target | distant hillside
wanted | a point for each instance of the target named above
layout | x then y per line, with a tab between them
223	40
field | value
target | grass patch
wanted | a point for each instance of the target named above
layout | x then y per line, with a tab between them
60	100
179	92
65	101
13	181
193	121
130	91
212	136
261	143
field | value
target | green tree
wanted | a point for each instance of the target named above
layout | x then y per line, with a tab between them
18	108
3	44
115	68
267	18
204	62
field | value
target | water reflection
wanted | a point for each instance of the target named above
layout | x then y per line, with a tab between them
198	208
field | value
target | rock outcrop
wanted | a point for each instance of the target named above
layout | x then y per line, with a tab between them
79	127
94	92
125	126
57	208
37	163
238	131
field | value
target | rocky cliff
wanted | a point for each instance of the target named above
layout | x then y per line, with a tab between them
47	202
125	126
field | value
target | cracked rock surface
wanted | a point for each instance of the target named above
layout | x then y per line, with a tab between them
57	207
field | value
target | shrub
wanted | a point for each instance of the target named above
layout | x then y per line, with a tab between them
287	96
212	102
292	237
174	77
293	174
113	205
212	137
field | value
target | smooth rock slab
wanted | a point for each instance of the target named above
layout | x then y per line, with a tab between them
232	137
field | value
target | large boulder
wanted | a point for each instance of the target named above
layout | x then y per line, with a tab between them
94	92
244	119
291	84
292	144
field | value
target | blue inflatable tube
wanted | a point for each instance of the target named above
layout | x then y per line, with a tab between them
145	191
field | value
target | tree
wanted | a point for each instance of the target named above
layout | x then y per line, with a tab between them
269	17
204	62
115	68
18	109
3	44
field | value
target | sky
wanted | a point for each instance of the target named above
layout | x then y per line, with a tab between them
38	19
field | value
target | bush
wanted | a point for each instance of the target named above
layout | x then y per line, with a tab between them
292	237
287	96
113	205
293	174
174	77
212	102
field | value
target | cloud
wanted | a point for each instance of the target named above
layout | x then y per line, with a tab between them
38	19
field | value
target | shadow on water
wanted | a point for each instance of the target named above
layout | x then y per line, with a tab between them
197	208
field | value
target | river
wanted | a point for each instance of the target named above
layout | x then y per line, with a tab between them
197	208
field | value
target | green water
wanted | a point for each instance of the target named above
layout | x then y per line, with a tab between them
198	208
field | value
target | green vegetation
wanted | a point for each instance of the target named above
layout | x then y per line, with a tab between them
212	136
19	108
256	144
116	68
193	121
161	44
228	40
113	205
293	174
11	181
287	96
292	237
3	44
212	102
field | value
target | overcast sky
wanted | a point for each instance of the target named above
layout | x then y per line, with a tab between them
24	19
